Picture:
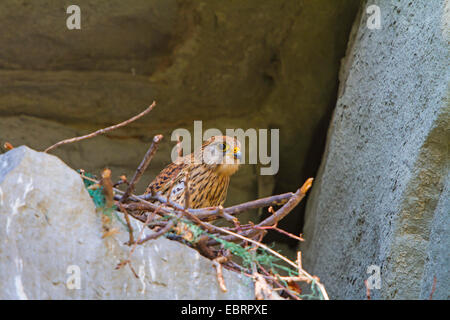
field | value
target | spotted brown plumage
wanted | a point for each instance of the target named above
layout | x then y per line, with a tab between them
209	170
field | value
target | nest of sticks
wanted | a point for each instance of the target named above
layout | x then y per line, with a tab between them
237	247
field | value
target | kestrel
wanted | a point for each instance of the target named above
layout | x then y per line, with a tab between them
209	169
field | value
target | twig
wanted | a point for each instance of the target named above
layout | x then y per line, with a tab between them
102	131
237	268
107	185
296	278
185	212
142	204
287	290
8	146
142	167
203	248
262	289
179	147
128	261
186	190
290	201
215	212
299	260
127	219
366	283
193	214
217	262
230	218
277	216
139	241
433	289
122	180
285	209
280	231
205	225
255	204
306	274
157	234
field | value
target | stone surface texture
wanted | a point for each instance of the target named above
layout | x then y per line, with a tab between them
50	233
382	193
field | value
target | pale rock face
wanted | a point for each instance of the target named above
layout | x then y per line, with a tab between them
51	233
381	197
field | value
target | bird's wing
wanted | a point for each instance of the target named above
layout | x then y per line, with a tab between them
169	177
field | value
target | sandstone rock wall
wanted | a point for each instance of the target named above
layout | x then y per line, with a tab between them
242	64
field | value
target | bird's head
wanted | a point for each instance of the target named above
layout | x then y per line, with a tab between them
221	153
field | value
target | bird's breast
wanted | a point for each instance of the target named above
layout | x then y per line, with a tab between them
207	190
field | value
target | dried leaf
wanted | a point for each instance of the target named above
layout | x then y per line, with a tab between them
8	146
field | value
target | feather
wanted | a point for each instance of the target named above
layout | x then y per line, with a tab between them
208	182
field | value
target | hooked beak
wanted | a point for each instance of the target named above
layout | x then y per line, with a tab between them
237	153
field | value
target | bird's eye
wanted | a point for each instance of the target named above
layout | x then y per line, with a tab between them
223	147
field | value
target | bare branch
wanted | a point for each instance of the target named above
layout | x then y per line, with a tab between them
259	244
157	234
104	130
107	185
142	167
433	289
179	147
186	190
293	236
245	233
215	212
218	265
291	204
127	219
262	290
